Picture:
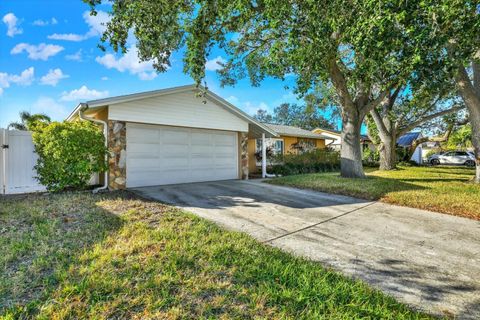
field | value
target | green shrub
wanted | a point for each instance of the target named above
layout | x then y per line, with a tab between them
370	157
319	160
69	154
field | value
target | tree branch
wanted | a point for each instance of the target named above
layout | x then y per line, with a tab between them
377	118
340	84
466	88
375	102
418	122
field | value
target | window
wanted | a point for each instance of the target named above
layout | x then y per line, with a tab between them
274	147
275	144
461	153
278	147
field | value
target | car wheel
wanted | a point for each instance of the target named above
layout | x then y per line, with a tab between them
470	163
434	162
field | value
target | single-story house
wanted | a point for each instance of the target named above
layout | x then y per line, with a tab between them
334	139
176	135
289	140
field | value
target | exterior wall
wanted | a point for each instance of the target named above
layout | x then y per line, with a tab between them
287	144
117	146
320	144
244	155
181	109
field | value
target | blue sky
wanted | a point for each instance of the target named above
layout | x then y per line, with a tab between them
49	61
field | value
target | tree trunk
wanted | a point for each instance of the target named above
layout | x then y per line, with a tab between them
388	153
475	122
471	98
351	152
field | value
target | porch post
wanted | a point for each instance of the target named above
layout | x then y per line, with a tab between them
264	156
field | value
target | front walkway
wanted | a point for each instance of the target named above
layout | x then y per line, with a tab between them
428	260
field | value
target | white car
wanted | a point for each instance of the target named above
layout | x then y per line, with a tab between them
453	158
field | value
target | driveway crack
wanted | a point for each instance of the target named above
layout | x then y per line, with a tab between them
318	223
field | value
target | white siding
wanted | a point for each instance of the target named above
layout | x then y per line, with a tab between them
182	109
158	155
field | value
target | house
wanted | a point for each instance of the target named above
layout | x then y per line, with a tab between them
334	139
289	140
176	135
406	141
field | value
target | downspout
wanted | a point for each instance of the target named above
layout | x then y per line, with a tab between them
83	108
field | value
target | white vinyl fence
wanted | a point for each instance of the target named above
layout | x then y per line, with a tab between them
17	159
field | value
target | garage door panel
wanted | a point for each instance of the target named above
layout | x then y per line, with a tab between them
144	136
143	149
159	155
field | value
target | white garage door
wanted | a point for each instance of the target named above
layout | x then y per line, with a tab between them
158	155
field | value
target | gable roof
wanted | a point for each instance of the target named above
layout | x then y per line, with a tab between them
335	132
407	139
291	131
99	103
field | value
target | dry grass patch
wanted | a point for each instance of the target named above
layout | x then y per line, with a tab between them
443	189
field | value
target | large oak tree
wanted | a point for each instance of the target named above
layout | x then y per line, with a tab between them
364	48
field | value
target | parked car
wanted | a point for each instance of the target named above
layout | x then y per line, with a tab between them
453	158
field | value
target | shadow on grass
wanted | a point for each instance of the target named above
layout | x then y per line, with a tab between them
41	237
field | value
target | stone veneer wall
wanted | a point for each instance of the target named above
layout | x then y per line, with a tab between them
244	154
117	146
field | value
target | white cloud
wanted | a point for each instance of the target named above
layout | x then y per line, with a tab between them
43	23
233	100
25	78
96	23
215	64
96	26
77	56
129	62
252	107
248	106
104	78
83	93
66	37
53	77
12	23
37	52
50	107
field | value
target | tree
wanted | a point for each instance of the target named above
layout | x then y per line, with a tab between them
263	116
292	114
28	120
403	111
305	117
461	138
470	91
365	49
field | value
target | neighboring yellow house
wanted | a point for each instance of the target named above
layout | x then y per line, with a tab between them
334	139
291	140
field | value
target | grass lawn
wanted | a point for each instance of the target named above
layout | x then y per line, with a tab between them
443	189
113	256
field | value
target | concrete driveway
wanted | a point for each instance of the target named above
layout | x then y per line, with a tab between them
428	260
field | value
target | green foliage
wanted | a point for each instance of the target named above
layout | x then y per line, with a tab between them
307	117
370	157
69	153
375	40
318	160
460	138
30	121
